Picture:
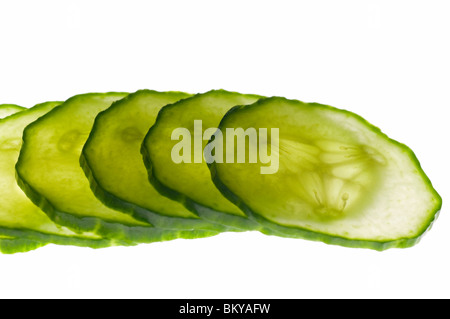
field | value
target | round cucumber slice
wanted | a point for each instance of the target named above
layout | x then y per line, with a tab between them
9	109
21	222
329	176
49	172
189	181
122	183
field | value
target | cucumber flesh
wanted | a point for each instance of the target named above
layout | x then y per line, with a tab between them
49	172
190	183
22	224
122	183
339	179
9	109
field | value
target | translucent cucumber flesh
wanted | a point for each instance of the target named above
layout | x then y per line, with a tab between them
49	172
20	219
9	109
123	183
338	175
190	181
329	177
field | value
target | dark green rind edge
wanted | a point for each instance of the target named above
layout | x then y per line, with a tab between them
120	233
233	221
138	212
49	238
18	245
303	233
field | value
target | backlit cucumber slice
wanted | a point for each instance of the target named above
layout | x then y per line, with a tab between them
329	176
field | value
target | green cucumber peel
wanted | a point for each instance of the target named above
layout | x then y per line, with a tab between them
19	245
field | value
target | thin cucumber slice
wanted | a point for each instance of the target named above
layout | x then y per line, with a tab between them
122	183
339	179
9	109
189	181
49	172
20	219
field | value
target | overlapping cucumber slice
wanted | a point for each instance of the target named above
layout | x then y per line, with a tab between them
189	181
49	172
23	226
339	179
112	161
8	244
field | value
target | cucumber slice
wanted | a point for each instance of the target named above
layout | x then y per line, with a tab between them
49	172
339	180
9	109
22	224
190	182
122	183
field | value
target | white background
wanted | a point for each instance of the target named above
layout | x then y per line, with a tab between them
388	61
